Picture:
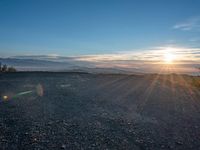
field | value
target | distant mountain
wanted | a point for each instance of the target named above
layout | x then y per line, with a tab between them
35	65
24	64
103	70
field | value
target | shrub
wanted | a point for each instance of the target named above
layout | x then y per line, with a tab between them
11	69
5	68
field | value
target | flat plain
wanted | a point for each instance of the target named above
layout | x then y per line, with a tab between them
99	111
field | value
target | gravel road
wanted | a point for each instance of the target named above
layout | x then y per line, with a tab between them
43	111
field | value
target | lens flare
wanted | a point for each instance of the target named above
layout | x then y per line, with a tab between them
39	90
22	93
5	97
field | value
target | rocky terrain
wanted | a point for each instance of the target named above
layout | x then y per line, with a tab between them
99	111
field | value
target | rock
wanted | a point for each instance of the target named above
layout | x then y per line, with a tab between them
162	146
179	142
63	146
171	146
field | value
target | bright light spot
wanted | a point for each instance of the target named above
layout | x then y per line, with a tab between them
169	55
5	97
169	58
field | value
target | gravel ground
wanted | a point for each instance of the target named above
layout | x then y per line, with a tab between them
87	111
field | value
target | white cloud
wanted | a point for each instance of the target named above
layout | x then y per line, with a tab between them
189	24
53	55
196	39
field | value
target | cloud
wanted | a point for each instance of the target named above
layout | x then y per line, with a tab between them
149	60
196	39
189	24
154	55
146	56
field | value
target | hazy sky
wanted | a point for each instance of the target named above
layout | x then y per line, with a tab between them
84	27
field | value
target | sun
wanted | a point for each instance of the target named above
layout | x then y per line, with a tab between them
169	58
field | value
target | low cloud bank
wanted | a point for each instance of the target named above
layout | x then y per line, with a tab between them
186	60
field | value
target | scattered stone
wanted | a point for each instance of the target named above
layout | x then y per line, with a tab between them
179	142
63	146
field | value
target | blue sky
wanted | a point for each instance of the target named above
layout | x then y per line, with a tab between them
85	27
